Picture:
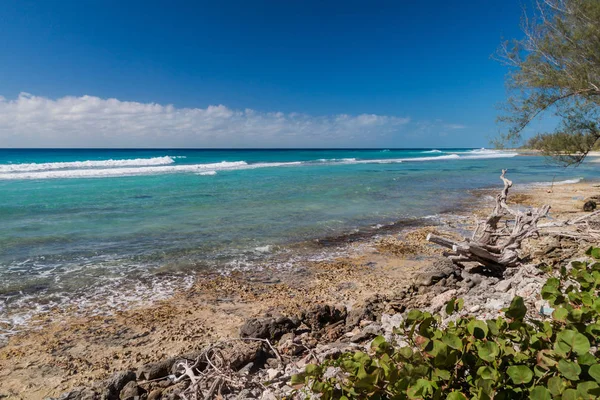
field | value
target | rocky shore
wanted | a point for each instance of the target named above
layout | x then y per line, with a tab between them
250	333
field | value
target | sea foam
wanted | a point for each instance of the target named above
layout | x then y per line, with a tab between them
163	165
86	164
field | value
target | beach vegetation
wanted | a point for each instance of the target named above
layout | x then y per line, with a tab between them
512	356
555	69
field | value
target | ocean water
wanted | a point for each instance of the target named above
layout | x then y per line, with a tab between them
103	228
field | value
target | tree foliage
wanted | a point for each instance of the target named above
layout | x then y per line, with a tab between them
510	357
556	68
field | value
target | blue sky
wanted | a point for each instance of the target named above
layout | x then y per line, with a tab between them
200	74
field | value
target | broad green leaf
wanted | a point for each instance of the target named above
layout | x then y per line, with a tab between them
588	390
406	352
519	374
477	328
487	373
586	359
452	341
539	393
488	351
450	307
596	253
298	379
413	316
569	394
560	314
421	389
556	385
377	342
517	309
569	341
569	370
442	374
594	372
456	396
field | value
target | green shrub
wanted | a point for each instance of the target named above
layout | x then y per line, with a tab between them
510	357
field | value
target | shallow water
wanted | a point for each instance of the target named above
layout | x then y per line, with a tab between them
79	224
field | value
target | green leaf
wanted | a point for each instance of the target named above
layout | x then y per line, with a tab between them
588	390
298	379
569	341
452	341
421	389
456	396
560	314
450	306
413	315
594	372
517	309
487	373
586	359
442	374
488	351
406	352
595	253
519	374
377	342
540	393
556	385
569	394
569	370
477	328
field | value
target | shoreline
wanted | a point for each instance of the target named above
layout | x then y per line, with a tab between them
82	350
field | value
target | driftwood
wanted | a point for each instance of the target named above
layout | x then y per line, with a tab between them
496	240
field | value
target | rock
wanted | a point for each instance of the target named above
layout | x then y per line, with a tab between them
273	373
156	394
268	395
245	394
365	312
172	392
321	315
494	304
589	205
440	300
239	354
503	286
439	270
268	328
361	336
80	394
288	336
389	322
131	391
373	329
475	308
117	382
155	370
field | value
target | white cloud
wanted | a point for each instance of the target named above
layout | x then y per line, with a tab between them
88	121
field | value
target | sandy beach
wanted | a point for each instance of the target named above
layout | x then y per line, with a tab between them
67	351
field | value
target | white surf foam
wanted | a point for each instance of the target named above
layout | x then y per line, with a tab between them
137	162
565	182
433	151
152	170
161	165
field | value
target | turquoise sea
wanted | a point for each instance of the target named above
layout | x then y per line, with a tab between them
79	226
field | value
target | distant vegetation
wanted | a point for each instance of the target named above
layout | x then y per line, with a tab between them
556	69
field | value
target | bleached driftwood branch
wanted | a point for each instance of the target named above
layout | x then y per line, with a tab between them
496	240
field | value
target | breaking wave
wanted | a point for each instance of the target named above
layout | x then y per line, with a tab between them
138	162
165	165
